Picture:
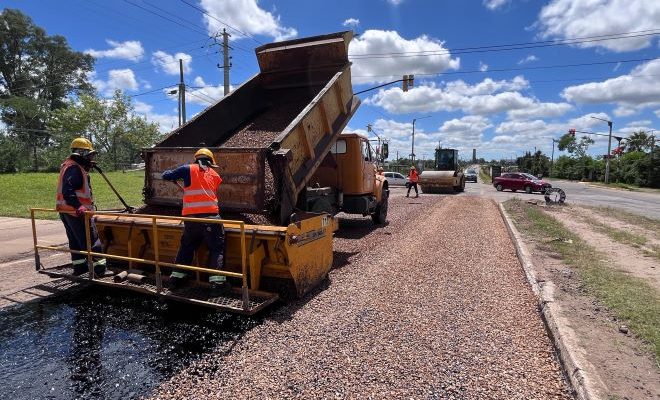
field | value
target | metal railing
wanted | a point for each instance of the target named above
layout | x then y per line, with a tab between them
156	262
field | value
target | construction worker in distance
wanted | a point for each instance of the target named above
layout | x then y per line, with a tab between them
381	171
413	178
200	200
74	198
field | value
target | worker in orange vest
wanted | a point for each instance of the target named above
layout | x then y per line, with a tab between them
74	197
413	178
200	200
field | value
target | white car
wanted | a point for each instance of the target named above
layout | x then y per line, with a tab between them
395	179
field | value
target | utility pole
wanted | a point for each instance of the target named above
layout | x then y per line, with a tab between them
412	151
182	95
609	149
651	156
225	59
552	159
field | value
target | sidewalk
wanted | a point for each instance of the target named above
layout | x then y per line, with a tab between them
16	236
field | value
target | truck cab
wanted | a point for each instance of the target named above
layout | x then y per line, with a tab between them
346	181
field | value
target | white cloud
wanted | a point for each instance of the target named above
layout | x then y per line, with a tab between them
657	113
246	16
166	122
373	62
528	59
128	50
169	63
486	97
123	79
495	4
205	95
573	19
540	110
395	2
483	67
633	92
465	132
352	23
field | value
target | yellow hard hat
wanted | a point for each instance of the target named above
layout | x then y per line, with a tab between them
381	169
82	147
205	153
82	143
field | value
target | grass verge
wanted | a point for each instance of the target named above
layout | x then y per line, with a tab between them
650	224
25	190
485	178
630	299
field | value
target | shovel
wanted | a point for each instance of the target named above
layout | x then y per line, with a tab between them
128	208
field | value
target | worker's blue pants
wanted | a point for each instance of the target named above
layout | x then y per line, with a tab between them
75	232
194	233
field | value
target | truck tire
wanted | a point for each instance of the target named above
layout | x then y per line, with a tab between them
554	196
379	215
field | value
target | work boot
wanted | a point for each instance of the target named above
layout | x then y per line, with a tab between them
222	288
177	280
407	195
416	196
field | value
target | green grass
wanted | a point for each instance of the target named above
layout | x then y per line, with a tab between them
25	190
630	299
618	235
634	219
485	178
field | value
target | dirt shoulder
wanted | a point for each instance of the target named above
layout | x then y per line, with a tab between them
613	355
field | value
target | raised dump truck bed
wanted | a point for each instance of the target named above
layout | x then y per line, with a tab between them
271	133
269	136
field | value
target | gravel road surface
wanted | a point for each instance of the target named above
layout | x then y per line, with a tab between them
433	305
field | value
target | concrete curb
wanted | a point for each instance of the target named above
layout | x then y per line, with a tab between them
560	333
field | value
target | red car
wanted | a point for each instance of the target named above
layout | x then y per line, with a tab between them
515	181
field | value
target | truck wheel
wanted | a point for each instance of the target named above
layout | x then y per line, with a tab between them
380	213
528	189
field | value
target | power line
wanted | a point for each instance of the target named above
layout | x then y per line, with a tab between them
517	68
201	98
506	47
222	22
165	17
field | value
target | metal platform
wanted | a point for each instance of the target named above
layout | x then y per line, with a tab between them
193	294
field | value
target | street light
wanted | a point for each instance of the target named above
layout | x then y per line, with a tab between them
412	151
609	149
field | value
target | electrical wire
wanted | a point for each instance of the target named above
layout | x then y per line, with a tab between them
166	18
510	46
222	22
518	68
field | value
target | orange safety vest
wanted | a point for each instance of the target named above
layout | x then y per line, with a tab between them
413	176
201	196
84	193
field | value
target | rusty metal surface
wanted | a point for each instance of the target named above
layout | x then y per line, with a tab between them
242	172
306	53
199	295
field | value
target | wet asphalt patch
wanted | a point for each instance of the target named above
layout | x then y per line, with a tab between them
96	343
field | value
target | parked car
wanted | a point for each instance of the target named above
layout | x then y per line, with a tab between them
396	179
471	176
515	181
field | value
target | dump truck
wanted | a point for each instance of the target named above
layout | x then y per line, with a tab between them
287	169
447	176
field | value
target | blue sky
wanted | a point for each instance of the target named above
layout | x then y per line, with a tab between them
570	60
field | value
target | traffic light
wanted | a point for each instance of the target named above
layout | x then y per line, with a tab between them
408	82
384	151
571	132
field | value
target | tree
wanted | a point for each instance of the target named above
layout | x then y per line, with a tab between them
578	149
638	141
116	132
37	73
